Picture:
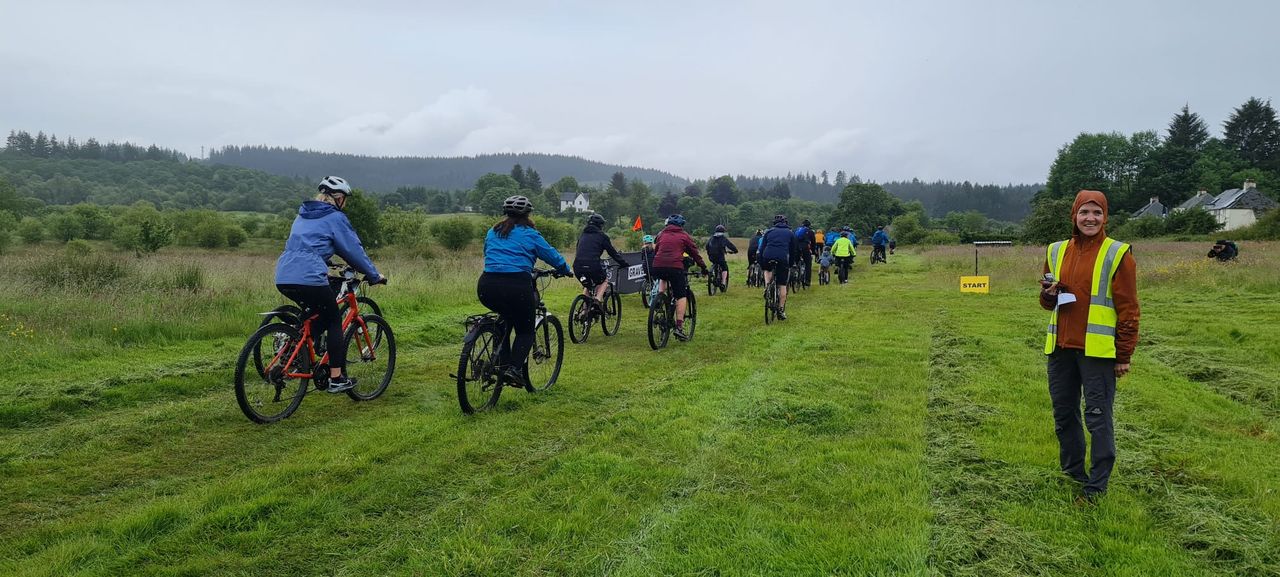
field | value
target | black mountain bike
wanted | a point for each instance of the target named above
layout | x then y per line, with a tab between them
713	280
824	275
484	348
877	254
755	276
586	311
662	316
794	282
843	269
770	301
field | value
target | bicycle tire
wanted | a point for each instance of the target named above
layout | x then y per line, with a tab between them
690	316
580	320
287	314
659	324
646	287
478	387
542	368
612	320
250	387
367	305
770	297
374	353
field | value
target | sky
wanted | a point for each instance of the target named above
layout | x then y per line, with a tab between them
986	91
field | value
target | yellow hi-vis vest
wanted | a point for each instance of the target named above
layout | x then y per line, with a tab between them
843	247
1100	334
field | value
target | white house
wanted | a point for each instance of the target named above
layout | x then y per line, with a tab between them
578	201
1240	207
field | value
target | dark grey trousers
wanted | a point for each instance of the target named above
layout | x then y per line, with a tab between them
1070	374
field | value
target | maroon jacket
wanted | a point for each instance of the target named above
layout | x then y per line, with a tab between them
672	244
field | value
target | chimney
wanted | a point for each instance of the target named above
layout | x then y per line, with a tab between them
1250	184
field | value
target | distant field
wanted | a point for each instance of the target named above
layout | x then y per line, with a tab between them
890	427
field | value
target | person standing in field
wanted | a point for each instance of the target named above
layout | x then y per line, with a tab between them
1091	338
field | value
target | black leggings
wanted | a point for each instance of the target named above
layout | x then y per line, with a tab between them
323	301
512	296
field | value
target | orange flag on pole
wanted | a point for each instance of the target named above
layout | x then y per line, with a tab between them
638	225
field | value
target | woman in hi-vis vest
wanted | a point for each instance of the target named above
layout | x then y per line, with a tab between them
1090	285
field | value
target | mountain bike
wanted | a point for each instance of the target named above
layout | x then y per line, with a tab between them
794	280
842	268
586	311
755	276
770	300
877	254
824	275
284	360
713	280
484	348
662	316
343	283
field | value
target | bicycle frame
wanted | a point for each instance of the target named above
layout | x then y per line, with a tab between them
352	316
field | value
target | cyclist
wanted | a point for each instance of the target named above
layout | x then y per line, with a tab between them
302	271
825	261
844	252
586	263
878	242
853	237
669	267
753	250
776	249
511	248
716	247
646	253
819	242
806	238
833	234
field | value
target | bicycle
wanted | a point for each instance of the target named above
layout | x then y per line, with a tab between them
824	276
586	310
662	316
755	277
713	280
277	385
877	254
794	281
345	282
480	367
843	269
770	301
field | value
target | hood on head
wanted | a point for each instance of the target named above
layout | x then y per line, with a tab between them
316	209
1086	196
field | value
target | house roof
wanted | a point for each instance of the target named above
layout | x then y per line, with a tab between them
1153	208
1199	200
1242	198
572	196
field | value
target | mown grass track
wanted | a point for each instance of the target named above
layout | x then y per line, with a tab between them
889	427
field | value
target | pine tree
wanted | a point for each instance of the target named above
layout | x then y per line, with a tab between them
41	147
618	183
517	173
532	181
1187	130
842	179
1254	132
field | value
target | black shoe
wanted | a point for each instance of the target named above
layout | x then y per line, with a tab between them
680	334
340	384
782	315
515	378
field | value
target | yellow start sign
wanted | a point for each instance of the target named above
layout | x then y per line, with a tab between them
975	284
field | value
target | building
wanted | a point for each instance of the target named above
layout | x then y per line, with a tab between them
578	201
1240	207
1200	200
1153	208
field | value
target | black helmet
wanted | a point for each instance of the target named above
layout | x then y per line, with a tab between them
805	222
595	220
719	228
676	219
779	219
517	205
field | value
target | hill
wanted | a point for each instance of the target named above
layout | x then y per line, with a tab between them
385	174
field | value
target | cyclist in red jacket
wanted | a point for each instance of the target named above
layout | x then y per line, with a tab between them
668	265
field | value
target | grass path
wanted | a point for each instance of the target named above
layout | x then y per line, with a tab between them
889	427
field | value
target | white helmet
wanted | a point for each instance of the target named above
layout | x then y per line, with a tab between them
332	184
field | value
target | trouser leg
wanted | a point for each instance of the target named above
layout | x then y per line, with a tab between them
1099	377
1064	392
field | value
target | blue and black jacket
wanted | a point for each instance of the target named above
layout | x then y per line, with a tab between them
320	231
519	251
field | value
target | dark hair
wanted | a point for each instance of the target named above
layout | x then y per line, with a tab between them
504	226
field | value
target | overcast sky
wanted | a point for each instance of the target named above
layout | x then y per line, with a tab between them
982	90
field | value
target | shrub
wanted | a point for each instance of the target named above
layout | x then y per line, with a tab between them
77	248
66	227
7	223
188	277
454	233
1267	227
940	237
558	234
30	230
78	272
1192	221
1144	227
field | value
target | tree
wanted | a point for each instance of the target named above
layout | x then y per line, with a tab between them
866	206
1049	221
692	190
1110	162
1254	133
1187	130
532	181
723	190
30	230
669	204
618	183
142	229
1191	221
842	180
362	211
517	174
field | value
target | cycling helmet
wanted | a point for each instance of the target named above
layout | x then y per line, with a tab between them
517	205
334	184
719	228
648	238
676	219
779	219
805	222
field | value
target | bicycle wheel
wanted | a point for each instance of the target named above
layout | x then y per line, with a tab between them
612	314
770	297
287	314
711	284
659	322
272	395
581	316
477	375
646	287
545	359
690	316
370	360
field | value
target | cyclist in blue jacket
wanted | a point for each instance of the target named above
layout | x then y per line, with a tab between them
511	248
776	249
302	271
879	241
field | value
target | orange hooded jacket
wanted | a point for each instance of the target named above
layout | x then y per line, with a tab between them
1076	277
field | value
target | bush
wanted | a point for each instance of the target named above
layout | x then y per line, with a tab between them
66	227
1145	227
78	272
30	230
558	234
1192	221
454	233
1267	227
7	223
77	248
937	237
185	278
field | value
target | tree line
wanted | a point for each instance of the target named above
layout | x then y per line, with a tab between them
42	146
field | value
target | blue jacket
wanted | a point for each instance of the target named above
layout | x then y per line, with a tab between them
519	251
778	244
879	238
832	237
320	231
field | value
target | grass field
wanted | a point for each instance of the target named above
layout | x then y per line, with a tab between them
890	427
